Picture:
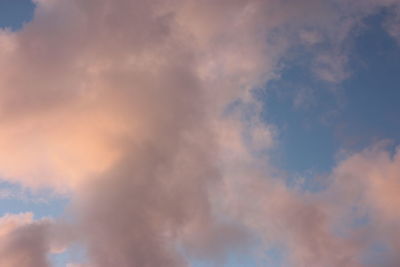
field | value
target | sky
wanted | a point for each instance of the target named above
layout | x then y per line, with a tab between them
184	133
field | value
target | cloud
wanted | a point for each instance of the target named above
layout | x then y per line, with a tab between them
23	241
392	23
301	224
143	113
27	242
368	183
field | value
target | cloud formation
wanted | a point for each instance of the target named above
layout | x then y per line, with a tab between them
23	241
368	183
142	112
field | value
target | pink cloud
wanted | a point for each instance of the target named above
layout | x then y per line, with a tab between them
122	106
23	241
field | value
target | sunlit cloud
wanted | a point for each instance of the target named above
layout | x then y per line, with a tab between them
143	113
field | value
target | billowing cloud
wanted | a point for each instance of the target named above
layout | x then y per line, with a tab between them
142	112
23	242
368	184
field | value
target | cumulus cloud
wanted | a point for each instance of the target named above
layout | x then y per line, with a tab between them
142	112
23	241
27	242
368	186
